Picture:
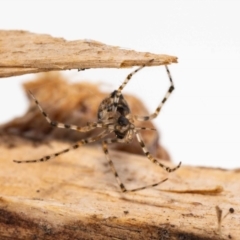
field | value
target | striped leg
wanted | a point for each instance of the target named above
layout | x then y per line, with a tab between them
151	158
75	146
128	78
158	109
87	128
144	128
121	185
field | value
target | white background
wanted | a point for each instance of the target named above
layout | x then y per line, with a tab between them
200	124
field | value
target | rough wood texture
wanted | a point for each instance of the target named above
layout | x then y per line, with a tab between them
23	52
76	197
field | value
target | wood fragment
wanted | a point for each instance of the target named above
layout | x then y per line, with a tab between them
24	52
203	190
76	196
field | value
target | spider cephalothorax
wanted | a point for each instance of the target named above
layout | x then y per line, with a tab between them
114	116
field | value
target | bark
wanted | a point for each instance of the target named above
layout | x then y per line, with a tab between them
23	52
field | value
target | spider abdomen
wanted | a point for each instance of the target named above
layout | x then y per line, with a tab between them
108	105
115	112
122	128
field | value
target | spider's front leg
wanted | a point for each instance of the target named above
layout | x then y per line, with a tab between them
158	109
127	79
129	76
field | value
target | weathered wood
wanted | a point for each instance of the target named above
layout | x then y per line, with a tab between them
76	197
23	52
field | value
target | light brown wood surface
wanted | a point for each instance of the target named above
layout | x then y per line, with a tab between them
75	196
23	52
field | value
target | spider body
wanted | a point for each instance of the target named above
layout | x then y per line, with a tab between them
113	116
118	119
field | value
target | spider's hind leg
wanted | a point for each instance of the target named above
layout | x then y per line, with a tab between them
151	158
121	185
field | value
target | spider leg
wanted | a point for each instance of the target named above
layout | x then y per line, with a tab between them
127	79
129	76
150	157
158	109
121	185
145	128
87	128
75	146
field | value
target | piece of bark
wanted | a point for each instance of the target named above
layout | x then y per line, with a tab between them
75	196
76	104
24	52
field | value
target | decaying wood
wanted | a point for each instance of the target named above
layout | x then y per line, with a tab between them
76	104
23	52
76	197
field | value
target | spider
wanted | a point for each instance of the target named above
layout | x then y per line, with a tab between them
113	116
